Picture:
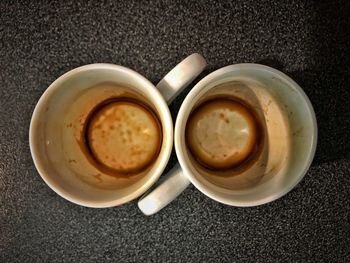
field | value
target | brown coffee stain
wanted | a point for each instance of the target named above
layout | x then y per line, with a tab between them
298	132
84	141
98	177
267	107
224	118
253	155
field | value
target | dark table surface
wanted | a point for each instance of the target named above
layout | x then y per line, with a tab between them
309	41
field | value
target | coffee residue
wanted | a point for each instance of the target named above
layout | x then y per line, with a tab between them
121	137
224	134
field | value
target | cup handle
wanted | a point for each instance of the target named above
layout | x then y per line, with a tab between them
174	182
166	190
180	76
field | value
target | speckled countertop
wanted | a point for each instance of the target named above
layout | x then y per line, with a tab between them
309	41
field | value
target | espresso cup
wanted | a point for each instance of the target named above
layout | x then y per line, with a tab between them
245	135
102	134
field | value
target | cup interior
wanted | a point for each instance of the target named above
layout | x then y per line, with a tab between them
289	142
57	123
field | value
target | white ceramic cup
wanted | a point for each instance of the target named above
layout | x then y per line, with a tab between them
59	116
289	142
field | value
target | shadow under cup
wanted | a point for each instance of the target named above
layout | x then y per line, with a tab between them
57	127
288	136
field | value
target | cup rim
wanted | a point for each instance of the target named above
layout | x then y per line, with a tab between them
180	125
163	109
